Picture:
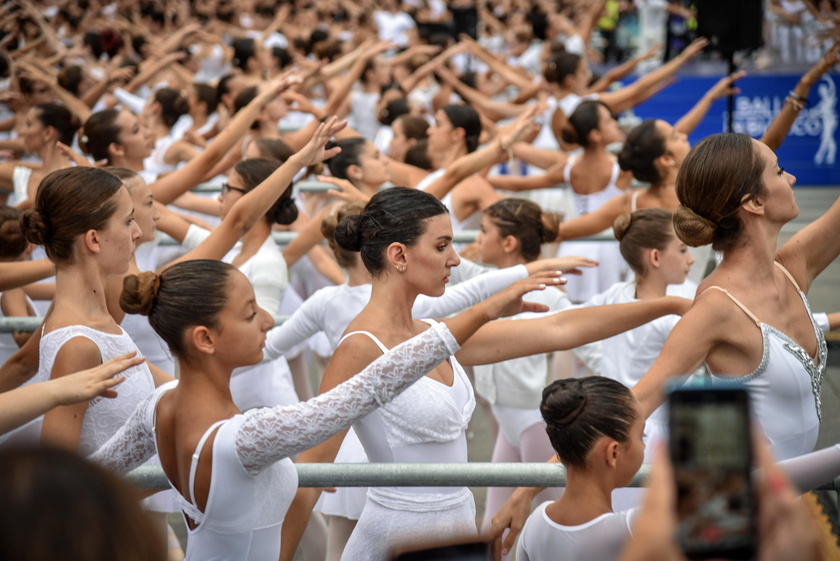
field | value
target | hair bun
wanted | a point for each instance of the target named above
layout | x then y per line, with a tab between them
621	225
693	229
139	292
348	233
563	402
35	227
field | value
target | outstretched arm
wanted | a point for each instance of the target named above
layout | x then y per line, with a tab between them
504	340
723	88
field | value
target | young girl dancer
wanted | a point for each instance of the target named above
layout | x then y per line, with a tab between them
512	233
232	470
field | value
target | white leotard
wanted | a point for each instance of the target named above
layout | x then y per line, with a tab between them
20	182
426	423
253	481
785	388
612	267
600	539
103	416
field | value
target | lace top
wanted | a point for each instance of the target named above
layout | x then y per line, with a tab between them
785	388
249	491
104	416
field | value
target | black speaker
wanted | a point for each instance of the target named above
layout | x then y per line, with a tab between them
731	25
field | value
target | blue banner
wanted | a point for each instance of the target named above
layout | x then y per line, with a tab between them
810	150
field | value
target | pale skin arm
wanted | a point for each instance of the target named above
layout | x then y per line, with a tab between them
778	129
13	304
19	406
813	248
22	365
622	70
178	182
63	425
723	88
505	340
19	273
469	164
592	223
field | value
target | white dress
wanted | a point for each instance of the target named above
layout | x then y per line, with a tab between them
426	423
253	480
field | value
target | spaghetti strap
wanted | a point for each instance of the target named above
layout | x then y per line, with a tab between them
633	198
197	454
379	344
788	275
737	303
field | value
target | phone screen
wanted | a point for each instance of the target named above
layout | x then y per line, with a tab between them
711	452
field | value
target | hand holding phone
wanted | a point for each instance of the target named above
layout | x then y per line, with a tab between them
711	452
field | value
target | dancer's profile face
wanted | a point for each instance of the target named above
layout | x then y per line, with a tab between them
430	260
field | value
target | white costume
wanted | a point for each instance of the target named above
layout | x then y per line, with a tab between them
253	479
612	267
785	388
426	423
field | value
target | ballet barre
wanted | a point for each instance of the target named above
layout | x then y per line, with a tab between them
470	474
30	324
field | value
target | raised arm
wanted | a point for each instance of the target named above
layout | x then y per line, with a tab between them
594	222
723	88
253	205
471	163
779	127
645	86
813	248
173	185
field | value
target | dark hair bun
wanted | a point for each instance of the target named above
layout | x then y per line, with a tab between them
551	226
562	402
569	134
139	292
621	225
35	227
348	233
284	211
693	229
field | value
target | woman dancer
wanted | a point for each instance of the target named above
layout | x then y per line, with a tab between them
750	322
404	236
232	470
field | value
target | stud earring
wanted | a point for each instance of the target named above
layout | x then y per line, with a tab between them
401	268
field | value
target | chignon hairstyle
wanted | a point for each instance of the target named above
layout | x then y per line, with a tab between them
397	214
719	174
344	257
254	171
351	149
559	66
173	104
579	411
465	117
644	144
12	242
68	203
99	132
525	221
583	121
187	294
63	121
647	228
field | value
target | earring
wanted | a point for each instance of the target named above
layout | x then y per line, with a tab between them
673	163
401	268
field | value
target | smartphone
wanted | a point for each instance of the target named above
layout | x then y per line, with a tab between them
711	451
452	551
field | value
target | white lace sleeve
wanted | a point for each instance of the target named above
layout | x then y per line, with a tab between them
271	434
134	442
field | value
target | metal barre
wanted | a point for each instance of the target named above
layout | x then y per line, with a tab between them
474	474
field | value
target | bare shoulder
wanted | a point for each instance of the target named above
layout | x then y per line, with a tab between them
79	353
